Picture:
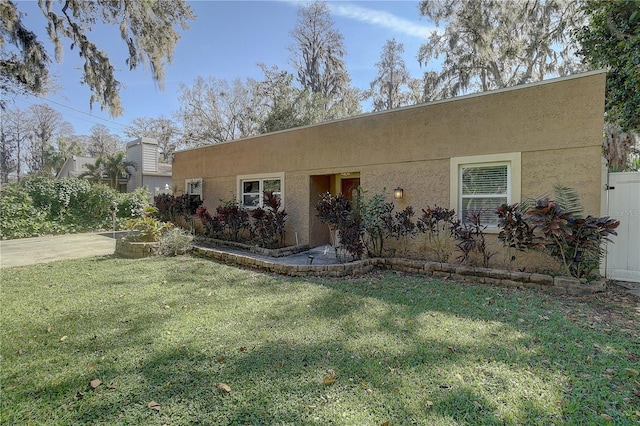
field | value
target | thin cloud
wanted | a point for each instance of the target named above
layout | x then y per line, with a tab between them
375	17
382	19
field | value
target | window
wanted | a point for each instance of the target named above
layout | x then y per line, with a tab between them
482	189
252	189
482	183
193	187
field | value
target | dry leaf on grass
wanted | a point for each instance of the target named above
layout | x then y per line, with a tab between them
632	372
153	406
224	388
330	378
95	383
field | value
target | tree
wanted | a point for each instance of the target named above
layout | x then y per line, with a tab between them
115	166
24	71
94	171
489	44
161	129
45	125
619	148
15	136
317	53
283	104
213	111
102	142
149	29
612	40
8	162
392	75
66	146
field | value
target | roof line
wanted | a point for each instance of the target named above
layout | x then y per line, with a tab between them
420	105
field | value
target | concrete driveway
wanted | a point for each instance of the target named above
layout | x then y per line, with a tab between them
29	251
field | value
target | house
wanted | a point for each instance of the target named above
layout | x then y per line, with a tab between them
500	146
149	171
75	165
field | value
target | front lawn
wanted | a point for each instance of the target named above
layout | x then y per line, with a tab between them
184	341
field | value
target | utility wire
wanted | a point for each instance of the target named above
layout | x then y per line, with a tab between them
122	126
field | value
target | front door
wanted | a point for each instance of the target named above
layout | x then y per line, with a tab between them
349	188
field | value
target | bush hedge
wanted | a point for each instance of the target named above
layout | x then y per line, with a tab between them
41	205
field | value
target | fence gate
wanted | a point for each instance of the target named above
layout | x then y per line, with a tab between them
623	204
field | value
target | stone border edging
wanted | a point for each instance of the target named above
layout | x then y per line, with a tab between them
281	252
135	249
498	277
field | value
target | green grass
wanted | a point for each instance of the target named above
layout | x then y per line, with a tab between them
405	350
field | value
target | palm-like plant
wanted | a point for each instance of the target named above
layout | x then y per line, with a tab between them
115	166
93	172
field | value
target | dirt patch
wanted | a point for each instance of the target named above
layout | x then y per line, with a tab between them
615	309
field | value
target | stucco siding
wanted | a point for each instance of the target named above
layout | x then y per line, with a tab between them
555	126
577	168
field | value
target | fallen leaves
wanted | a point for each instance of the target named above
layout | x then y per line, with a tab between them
224	388
632	372
95	383
330	378
153	406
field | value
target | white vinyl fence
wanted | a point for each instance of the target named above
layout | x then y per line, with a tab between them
623	204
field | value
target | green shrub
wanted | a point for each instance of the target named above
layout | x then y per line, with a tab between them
42	205
19	217
438	224
341	216
174	241
147	229
132	204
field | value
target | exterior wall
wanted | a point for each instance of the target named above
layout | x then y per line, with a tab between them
144	153
555	125
134	154
75	166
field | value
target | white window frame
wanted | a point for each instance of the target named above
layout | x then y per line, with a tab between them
188	186
261	178
513	161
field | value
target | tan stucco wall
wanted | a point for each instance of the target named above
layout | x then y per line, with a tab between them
555	125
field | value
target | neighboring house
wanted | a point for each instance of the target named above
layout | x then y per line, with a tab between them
149	172
471	152
75	165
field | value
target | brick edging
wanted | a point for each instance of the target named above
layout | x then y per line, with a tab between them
499	277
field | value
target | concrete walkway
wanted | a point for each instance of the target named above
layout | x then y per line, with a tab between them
29	251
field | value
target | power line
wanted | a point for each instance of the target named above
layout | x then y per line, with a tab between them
75	110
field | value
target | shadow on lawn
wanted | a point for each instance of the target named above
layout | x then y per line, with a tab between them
368	332
281	383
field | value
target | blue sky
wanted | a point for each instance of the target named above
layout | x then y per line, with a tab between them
226	41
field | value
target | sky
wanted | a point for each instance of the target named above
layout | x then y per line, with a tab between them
226	41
